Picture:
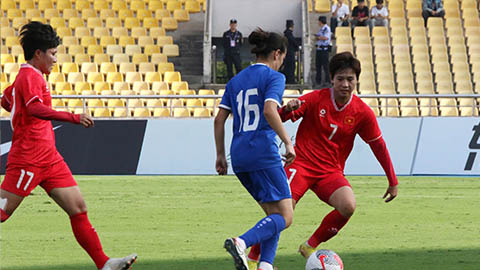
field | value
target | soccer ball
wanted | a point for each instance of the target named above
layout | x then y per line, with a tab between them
324	259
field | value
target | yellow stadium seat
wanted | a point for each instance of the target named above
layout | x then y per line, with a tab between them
32	13
192	6
64	31
90	13
132	49
106	67
106	40
149	23
74	77
141	112
82	4
159	58
146	67
126	40
62	86
138	32
131	22
11	41
164	40
119	86
162	13
139	86
151	49
114	49
69	67
100	4
107	13
152	76
181	112
179	86
26	4
151	103
133	76
120	58
120	112
119	5
56	22
81	57
406	87
444	87
424	87
8	4
181	15
173	5
201	112
160	86
161	112
88	41
93	22
89	67
171	50
99	87
127	67
113	77
144	13
322	6
125	13
69	13
93	77
102	112
55	77
139	58
18	22
113	22
114	102
169	23
82	86
137	5
464	87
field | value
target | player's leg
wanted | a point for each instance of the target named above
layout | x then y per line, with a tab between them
269	187
337	192
299	184
17	184
64	191
8	203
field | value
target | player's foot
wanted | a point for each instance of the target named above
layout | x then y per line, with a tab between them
237	252
252	264
120	263
306	250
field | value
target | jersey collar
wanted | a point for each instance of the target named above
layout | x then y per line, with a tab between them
32	67
335	104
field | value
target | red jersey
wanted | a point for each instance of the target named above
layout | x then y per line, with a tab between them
326	134
33	141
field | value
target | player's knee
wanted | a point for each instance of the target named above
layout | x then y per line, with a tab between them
4	216
348	209
288	219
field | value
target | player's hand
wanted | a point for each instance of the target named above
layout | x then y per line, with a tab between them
86	120
221	165
289	155
391	193
294	104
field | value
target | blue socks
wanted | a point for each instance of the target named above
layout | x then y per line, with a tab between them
268	227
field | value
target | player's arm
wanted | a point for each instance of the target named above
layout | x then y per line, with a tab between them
219	132
273	118
7	99
37	109
371	134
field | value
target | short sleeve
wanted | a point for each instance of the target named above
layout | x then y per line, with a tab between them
274	88
369	130
226	102
30	88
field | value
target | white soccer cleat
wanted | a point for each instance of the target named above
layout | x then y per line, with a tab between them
120	263
237	252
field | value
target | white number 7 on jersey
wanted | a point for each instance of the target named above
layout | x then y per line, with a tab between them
335	127
22	174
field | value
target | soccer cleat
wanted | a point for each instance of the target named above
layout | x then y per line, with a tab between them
120	263
238	254
252	264
305	250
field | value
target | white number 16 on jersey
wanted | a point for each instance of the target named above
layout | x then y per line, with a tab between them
245	123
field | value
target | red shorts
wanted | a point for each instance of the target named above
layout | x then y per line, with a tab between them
323	185
21	180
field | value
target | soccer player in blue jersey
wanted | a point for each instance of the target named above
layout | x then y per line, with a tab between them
253	97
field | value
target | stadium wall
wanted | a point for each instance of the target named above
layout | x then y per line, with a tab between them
418	146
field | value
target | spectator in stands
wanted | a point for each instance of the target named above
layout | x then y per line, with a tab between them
379	15
232	42
432	8
340	13
323	49
289	62
360	14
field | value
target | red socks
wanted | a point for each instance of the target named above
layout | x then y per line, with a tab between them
331	224
87	238
3	215
254	254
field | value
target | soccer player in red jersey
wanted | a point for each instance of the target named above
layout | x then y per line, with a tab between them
33	159
332	117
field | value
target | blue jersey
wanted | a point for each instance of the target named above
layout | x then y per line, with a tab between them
254	146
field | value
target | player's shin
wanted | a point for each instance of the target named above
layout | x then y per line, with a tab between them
87	237
264	229
330	226
268	249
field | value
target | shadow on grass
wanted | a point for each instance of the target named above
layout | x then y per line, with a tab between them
458	259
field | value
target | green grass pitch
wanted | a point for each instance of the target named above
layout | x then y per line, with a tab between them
180	222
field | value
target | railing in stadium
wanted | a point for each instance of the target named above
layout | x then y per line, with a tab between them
384	106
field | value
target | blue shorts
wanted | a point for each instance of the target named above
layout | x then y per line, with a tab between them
267	185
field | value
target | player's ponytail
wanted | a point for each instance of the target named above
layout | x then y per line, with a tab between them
266	42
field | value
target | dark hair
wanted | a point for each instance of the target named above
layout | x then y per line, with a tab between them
360	1
37	36
342	61
379	2
267	42
323	19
